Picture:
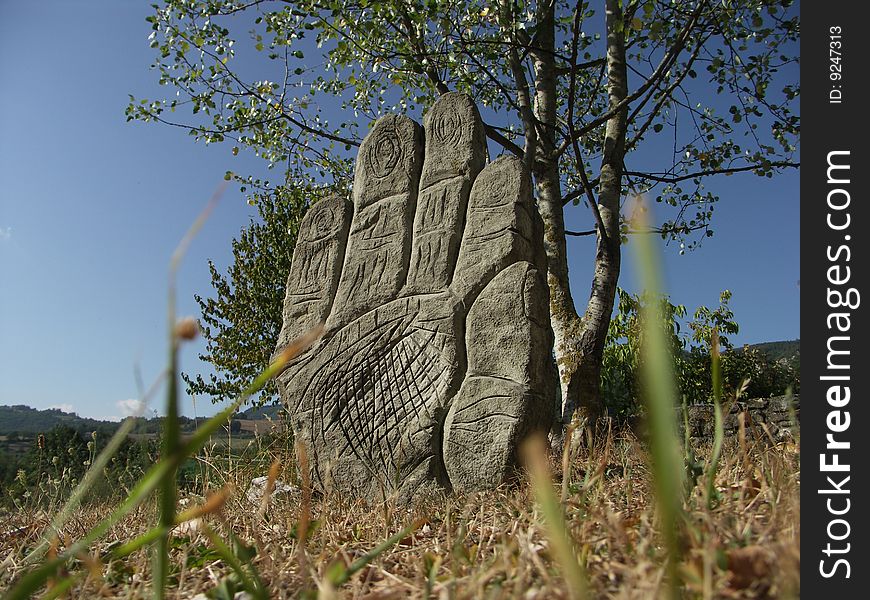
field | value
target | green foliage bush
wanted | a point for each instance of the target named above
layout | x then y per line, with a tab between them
747	369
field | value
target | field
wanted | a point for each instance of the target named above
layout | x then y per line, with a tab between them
743	542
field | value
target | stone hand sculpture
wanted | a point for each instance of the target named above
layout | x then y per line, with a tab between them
436	358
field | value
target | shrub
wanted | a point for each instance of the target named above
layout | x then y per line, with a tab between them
692	346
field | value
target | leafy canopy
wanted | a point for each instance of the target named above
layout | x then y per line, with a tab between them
293	81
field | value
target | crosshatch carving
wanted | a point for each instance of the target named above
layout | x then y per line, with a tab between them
435	363
378	400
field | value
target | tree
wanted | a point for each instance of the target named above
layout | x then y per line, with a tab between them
241	323
581	98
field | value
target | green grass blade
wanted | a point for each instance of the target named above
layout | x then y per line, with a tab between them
227	555
339	577
199	437
172	445
535	455
170	448
32	580
792	415
719	432
87	482
60	588
128	548
35	579
659	388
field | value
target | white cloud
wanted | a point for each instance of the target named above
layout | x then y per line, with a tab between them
67	408
5	233
130	407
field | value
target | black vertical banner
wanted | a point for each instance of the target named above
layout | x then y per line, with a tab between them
835	372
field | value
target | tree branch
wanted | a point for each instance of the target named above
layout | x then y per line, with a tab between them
250	92
651	230
493	134
580	67
663	179
524	102
667	61
572	88
664	96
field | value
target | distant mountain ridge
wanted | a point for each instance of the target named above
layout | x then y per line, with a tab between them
29	421
269	411
779	350
24	419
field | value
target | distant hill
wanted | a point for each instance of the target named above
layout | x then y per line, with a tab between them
30	421
23	419
778	350
270	411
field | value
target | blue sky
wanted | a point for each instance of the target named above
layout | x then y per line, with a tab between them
92	207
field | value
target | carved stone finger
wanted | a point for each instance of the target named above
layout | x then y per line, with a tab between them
385	184
510	387
455	154
502	227
315	268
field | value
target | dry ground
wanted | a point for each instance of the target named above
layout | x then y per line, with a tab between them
487	545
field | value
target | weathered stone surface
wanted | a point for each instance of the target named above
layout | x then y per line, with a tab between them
455	154
502	226
316	267
509	390
436	359
385	184
370	400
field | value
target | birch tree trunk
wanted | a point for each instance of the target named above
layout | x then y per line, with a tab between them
590	342
580	341
565	320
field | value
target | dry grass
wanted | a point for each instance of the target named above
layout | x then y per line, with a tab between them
487	545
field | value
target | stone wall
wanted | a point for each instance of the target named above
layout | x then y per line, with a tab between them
774	413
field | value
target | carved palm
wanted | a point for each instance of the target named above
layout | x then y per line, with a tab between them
436	357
